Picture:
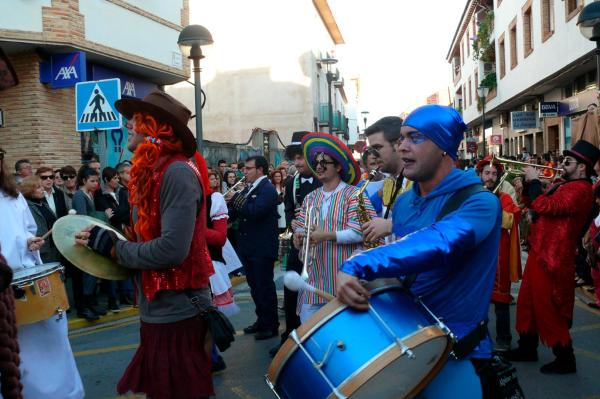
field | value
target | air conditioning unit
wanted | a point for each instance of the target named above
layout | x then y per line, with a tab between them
488	67
503	120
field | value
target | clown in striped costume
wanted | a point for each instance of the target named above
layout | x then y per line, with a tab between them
337	232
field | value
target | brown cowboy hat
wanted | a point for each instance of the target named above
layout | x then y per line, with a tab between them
165	109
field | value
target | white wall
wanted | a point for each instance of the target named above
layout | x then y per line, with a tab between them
563	47
166	9
25	15
116	27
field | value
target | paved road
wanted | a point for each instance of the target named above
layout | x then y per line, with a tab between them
103	354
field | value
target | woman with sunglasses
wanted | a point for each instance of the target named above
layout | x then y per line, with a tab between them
69	177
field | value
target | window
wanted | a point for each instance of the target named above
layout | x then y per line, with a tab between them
572	8
470	92
467	42
527	30
513	43
547	19
462	54
476	80
502	56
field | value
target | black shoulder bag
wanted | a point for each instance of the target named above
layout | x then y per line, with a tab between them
221	329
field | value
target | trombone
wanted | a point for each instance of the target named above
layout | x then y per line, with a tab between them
506	163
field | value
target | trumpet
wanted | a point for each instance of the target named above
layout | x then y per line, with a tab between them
233	189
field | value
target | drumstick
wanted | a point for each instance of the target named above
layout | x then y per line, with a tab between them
294	282
46	235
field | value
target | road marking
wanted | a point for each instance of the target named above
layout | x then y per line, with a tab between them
239	391
587	327
102	329
90	352
590	354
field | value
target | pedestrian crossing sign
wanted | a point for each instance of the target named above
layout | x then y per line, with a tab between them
95	105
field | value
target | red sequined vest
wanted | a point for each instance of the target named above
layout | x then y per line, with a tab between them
194	271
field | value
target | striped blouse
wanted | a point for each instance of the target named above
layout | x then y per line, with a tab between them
326	257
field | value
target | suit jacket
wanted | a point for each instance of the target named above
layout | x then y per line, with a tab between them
257	216
61	202
302	191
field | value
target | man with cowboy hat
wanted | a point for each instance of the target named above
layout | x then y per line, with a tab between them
547	293
296	189
167	250
335	209
509	258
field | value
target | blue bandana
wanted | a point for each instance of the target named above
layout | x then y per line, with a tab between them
442	125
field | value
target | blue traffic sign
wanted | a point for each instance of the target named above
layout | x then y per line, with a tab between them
95	105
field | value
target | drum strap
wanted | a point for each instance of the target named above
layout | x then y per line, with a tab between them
466	344
451	205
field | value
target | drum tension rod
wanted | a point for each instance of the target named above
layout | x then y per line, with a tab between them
403	348
339	344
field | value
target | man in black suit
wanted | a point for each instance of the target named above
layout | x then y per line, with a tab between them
54	197
256	209
296	189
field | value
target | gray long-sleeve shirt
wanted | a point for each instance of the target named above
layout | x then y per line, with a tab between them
180	200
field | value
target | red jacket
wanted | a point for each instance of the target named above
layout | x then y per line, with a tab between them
561	214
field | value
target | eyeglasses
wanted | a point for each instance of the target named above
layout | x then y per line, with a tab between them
568	162
67	177
249	167
413	137
323	163
51	177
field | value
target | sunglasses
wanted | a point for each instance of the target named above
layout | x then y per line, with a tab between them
568	162
413	138
323	163
67	177
51	177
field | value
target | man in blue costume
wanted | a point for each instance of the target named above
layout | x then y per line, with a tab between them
454	258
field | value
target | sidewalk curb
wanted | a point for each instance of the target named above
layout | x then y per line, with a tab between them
126	312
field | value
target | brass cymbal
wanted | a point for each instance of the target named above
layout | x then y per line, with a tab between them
63	234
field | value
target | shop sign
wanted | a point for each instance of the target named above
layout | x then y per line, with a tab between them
496	139
523	120
549	109
472	146
130	86
95	105
64	70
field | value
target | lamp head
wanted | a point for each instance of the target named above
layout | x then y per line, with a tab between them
191	38
589	21
483	91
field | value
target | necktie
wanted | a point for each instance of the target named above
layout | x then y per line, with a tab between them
306	179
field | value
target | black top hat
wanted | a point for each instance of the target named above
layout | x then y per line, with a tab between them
295	147
585	152
165	109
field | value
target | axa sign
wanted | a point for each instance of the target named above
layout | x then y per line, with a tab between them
64	70
128	89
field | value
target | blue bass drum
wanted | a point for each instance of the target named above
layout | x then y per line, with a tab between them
391	351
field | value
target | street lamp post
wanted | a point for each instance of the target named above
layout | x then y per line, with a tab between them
589	25
331	77
364	114
482	92
191	38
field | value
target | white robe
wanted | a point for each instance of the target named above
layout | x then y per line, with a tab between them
48	368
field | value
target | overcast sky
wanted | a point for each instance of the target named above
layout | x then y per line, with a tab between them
398	47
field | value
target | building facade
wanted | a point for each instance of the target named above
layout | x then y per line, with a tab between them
54	44
532	57
270	74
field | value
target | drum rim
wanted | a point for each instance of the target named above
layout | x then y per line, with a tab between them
35	276
334	307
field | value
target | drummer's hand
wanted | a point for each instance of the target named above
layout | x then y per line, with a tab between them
109	213
35	243
376	228
351	292
83	236
298	240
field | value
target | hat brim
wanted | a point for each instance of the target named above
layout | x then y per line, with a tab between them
575	155
129	106
292	150
315	143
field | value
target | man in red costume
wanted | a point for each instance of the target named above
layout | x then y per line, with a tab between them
170	253
547	294
509	259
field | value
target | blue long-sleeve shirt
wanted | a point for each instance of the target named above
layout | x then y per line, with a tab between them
454	258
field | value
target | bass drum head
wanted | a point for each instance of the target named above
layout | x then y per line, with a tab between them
404	377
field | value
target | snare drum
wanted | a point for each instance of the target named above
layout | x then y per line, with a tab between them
391	351
39	293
